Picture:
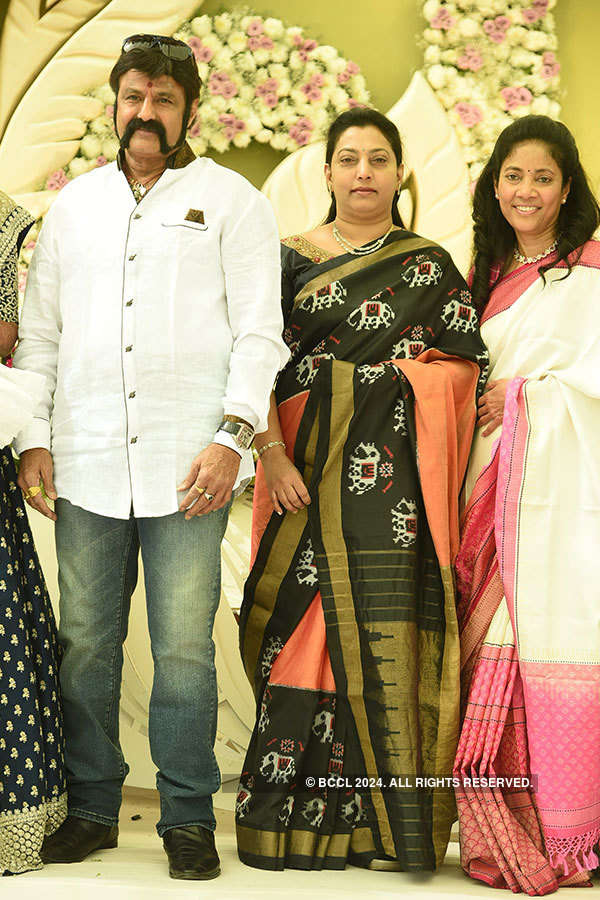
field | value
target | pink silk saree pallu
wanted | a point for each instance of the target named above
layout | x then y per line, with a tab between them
529	608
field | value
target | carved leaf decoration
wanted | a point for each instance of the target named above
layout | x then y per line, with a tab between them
435	200
32	33
42	134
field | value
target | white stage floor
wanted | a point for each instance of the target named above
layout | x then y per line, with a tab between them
137	870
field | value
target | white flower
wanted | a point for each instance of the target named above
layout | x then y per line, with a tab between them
101	125
432	55
203	71
430	9
279	141
339	97
219	142
247	92
212	41
262	56
292	33
222	24
201	26
516	35
554	111
273	28
245	62
110	148
104	94
242	139
434	36
523	59
219	103
91	146
536	40
237	41
336	66
357	83
540	106
223	59
271	118
468	28
79	165
325	53
198	145
296	62
449	56
209	113
253	124
264	136
321	118
437	76
279	53
502	51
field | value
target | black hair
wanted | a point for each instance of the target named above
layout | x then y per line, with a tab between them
494	240
154	64
362	117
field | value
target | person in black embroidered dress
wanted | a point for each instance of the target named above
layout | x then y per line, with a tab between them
33	799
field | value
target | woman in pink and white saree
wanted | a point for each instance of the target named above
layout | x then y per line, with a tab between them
529	594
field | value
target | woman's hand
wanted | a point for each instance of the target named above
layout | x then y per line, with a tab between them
284	481
491	406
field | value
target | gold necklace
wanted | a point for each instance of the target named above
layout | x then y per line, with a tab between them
138	188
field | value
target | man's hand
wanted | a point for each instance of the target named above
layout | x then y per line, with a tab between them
491	406
36	468
213	473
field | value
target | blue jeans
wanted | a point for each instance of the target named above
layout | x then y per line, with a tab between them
98	567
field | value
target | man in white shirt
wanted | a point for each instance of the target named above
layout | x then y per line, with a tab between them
152	309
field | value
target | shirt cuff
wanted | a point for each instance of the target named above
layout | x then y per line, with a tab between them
36	434
227	440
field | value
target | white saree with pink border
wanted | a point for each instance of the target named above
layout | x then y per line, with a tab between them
529	607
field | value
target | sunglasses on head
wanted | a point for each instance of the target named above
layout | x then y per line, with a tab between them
174	50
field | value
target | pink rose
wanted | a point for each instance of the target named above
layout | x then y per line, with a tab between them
255	27
471	59
343	77
470	114
56	181
306	48
442	19
550	65
352	103
301	131
101	160
109	110
352	68
231	125
201	52
220	83
311	92
516	96
195	129
496	28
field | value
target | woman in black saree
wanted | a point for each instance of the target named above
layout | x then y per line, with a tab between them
348	626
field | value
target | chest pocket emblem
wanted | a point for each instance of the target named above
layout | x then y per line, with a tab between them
195	215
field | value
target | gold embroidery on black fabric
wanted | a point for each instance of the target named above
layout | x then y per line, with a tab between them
195	215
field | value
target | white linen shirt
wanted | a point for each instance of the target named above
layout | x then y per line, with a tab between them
148	328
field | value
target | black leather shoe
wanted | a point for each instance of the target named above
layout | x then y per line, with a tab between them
191	852
77	838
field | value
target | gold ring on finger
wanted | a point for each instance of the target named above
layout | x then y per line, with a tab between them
209	497
199	489
31	492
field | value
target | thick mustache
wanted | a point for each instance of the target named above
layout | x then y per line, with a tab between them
151	125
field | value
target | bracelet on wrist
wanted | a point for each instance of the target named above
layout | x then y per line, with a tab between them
268	446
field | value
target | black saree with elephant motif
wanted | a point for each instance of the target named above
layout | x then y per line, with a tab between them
348	627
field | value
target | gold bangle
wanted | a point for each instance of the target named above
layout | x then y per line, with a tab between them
269	445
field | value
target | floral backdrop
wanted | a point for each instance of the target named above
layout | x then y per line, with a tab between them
489	62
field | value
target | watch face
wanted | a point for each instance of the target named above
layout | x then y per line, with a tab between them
244	436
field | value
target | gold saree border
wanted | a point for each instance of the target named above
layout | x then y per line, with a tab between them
330	509
362	262
276	566
444	802
295	842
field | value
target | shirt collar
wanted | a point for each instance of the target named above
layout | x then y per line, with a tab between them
178	160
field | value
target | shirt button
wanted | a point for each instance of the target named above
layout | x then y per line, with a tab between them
137	216
129	303
133	440
132	395
132	257
128	348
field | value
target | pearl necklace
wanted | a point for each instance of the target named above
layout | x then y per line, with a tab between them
533	259
366	248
